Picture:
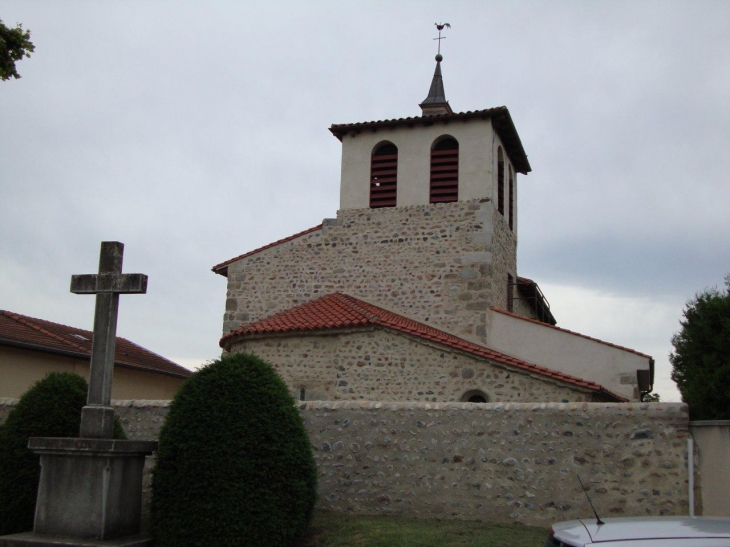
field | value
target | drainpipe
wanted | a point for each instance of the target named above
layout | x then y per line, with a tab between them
691	473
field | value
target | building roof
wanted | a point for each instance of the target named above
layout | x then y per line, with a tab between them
41	335
340	311
532	292
500	117
222	268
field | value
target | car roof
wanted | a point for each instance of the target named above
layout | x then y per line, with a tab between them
584	531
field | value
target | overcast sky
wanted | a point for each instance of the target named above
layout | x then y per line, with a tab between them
194	132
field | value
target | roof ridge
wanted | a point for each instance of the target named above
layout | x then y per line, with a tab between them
25	320
568	331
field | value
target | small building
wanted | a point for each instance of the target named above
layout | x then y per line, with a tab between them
30	348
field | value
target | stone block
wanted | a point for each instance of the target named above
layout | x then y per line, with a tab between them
89	488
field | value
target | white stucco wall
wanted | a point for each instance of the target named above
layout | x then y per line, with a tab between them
612	367
477	164
713	440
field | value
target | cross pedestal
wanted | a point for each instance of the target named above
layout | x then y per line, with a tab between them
90	490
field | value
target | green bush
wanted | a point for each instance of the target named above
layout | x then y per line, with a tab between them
50	408
234	465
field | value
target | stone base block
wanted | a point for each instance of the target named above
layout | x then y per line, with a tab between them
90	489
29	539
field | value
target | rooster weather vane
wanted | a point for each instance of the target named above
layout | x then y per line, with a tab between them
441	27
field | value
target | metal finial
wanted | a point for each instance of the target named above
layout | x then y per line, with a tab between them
440	27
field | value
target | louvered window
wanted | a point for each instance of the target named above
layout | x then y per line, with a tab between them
384	176
500	181
445	171
511	199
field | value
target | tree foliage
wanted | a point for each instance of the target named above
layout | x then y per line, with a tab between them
235	464
50	408
14	45
701	356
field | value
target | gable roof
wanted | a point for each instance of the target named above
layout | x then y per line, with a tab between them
222	268
41	335
500	116
339	311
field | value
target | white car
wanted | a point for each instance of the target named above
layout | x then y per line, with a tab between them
642	532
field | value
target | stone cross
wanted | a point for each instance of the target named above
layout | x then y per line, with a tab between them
97	417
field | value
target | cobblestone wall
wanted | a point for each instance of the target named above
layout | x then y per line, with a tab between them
432	263
380	365
497	462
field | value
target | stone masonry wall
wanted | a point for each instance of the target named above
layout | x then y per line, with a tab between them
493	462
432	263
378	364
504	261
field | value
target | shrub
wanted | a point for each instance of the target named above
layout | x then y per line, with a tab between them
234	465
50	408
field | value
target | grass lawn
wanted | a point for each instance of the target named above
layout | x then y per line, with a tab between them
337	530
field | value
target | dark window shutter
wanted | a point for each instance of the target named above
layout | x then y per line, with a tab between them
511	200
384	176
445	172
510	293
500	183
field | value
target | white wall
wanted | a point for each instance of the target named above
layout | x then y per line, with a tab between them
612	367
477	164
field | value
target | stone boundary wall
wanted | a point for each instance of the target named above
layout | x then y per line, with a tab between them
498	462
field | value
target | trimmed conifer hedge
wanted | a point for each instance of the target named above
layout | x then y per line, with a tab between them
50	408
235	464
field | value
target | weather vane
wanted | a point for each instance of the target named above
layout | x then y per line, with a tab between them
441	27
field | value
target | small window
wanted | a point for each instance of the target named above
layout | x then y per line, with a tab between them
511	199
302	394
500	180
384	175
474	396
444	171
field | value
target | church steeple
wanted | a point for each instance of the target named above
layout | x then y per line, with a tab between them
436	104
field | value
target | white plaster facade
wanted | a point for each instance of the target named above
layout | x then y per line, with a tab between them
478	146
568	352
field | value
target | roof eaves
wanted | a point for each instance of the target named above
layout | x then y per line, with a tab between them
87	356
500	116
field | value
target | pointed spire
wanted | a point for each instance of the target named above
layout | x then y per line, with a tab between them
436	104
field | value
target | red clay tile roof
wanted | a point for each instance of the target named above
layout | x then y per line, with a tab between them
31	333
338	311
523	318
222	268
500	116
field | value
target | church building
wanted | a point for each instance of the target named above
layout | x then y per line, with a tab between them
412	292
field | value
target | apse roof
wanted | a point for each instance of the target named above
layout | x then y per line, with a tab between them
341	311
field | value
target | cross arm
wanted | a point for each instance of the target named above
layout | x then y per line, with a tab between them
134	283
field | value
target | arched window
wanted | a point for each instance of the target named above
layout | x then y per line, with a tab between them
444	171
384	175
511	199
500	180
475	396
